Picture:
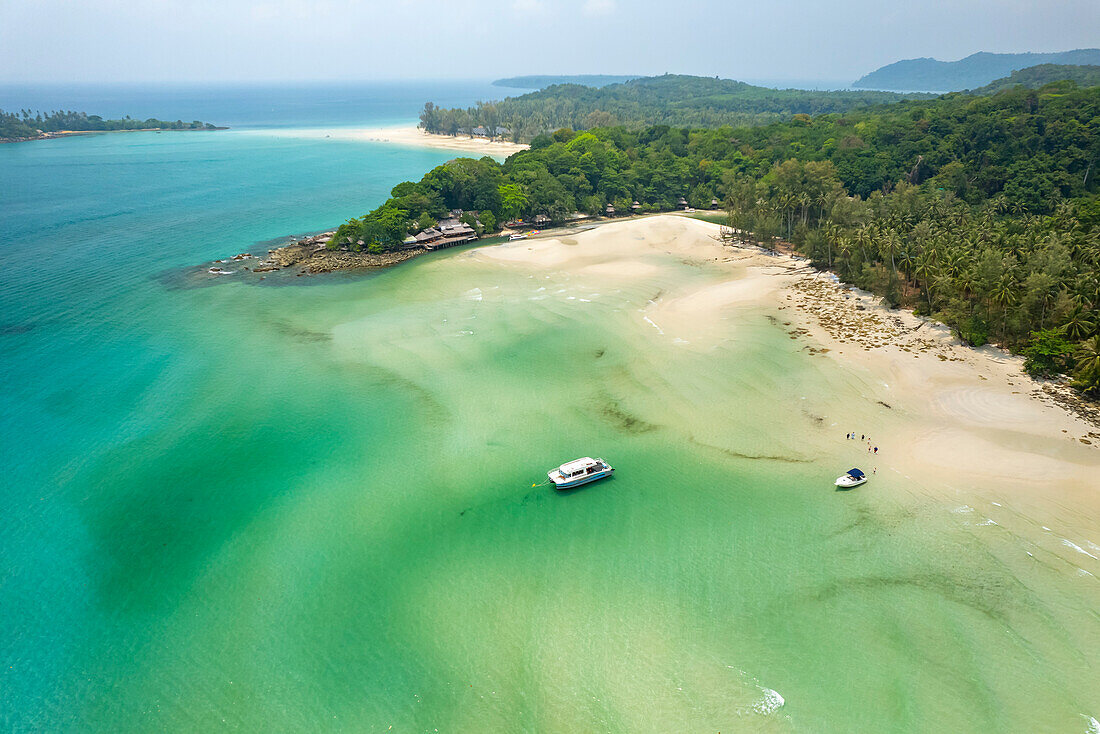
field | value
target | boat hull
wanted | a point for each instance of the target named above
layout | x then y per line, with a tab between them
559	483
846	482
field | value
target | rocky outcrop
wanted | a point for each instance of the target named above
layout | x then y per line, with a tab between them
311	255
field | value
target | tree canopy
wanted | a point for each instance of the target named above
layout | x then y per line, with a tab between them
29	124
671	99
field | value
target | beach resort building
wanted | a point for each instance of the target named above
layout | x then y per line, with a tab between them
447	233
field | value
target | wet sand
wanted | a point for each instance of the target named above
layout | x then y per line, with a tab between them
936	409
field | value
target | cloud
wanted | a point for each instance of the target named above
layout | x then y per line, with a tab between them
598	7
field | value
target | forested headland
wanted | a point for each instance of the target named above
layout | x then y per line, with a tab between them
1040	75
30	125
983	212
681	101
969	73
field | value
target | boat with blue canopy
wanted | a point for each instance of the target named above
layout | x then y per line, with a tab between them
853	478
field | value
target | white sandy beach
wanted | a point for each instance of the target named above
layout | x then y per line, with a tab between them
404	135
415	137
948	416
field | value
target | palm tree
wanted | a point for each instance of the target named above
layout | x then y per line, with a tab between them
1080	324
1088	364
1004	295
925	271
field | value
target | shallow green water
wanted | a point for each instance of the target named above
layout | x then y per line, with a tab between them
310	508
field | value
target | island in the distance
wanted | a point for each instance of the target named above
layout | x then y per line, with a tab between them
25	125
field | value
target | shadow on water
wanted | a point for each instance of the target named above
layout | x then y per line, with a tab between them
16	328
573	491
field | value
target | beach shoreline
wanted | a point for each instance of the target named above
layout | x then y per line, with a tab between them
409	136
934	406
835	314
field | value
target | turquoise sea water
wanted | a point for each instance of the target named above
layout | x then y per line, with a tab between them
309	507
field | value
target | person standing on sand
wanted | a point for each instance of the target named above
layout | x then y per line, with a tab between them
876	449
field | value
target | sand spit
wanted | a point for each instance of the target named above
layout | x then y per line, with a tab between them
404	135
415	137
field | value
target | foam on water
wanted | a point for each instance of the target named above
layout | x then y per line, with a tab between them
769	703
1078	548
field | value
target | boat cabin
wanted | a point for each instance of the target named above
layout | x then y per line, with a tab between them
580	467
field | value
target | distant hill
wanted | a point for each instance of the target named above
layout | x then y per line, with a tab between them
541	82
1034	77
930	75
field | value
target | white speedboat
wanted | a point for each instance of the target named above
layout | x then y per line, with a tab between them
853	478
578	472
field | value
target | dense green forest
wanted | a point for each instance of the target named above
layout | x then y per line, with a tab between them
682	101
1034	77
969	73
28	124
981	211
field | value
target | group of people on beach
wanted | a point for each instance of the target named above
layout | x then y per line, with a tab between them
851	436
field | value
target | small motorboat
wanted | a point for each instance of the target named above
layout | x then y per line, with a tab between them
578	472
853	478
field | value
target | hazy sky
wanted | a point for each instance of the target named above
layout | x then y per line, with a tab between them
270	40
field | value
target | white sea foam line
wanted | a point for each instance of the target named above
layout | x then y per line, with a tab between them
1079	549
963	509
998	504
1092	726
654	325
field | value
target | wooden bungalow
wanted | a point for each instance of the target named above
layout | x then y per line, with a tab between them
451	232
